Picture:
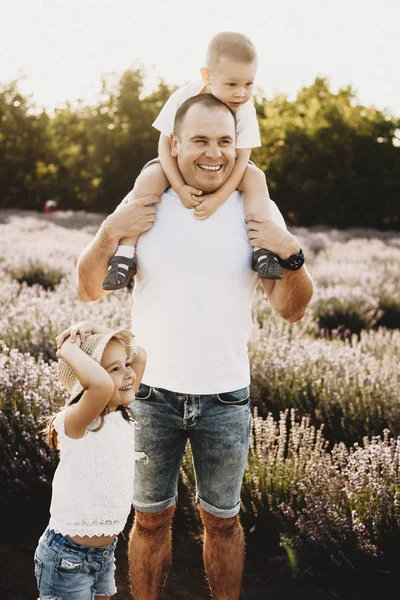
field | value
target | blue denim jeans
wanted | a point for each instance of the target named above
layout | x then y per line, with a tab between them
218	429
68	571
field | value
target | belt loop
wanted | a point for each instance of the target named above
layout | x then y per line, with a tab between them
50	535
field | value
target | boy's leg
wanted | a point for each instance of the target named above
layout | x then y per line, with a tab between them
151	181
257	200
122	268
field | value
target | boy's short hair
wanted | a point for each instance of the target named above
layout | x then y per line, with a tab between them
232	45
207	100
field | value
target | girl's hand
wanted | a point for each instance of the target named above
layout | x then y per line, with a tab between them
83	328
66	345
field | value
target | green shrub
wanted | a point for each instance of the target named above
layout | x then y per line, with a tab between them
389	305
345	315
37	274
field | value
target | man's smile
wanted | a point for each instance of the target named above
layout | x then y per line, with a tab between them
210	167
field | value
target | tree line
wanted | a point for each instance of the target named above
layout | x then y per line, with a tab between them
328	160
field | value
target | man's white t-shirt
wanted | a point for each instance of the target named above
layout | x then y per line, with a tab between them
193	295
247	131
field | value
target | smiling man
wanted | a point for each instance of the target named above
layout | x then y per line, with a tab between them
194	320
205	155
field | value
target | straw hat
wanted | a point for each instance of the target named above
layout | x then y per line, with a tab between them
94	345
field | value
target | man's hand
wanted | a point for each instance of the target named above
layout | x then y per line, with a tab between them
289	296
188	196
132	217
265	233
208	206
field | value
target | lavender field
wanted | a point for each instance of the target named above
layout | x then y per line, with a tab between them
324	466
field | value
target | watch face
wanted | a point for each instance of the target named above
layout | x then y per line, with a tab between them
297	261
294	262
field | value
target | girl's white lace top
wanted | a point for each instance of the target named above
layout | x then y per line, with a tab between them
93	483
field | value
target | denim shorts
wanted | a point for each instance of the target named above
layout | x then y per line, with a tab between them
218	429
68	571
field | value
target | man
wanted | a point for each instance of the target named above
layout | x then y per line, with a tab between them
194	320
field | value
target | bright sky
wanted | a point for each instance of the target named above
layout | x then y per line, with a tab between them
63	47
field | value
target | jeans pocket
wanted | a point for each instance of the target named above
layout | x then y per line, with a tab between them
236	398
38	570
66	565
144	392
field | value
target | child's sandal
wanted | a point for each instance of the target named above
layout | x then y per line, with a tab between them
118	277
266	264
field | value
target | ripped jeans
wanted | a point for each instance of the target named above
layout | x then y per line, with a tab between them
68	571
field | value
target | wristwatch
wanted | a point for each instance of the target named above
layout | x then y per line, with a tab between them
294	262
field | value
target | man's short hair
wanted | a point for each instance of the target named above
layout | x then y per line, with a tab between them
231	45
207	101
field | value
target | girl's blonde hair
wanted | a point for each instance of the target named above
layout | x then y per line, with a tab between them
50	432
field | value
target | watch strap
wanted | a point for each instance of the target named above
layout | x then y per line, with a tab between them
294	262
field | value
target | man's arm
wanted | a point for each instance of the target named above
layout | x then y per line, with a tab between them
289	296
129	219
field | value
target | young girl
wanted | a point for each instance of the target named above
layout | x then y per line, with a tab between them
93	483
229	74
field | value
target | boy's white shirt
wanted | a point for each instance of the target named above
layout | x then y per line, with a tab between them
247	130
